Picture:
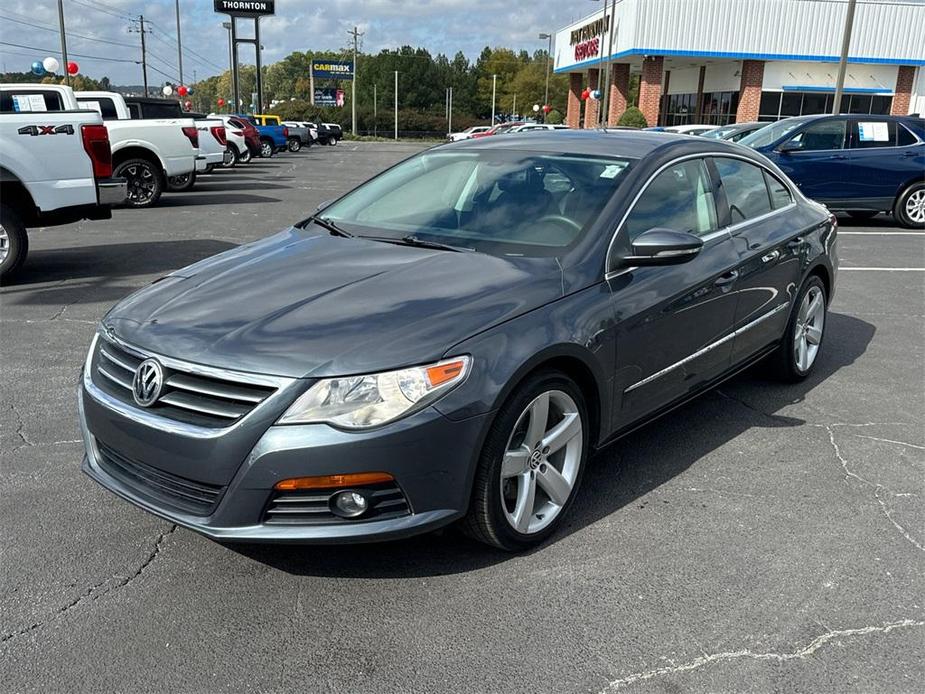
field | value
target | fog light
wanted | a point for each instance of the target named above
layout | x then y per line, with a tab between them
350	504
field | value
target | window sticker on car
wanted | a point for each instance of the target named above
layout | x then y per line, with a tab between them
28	102
612	170
95	105
873	132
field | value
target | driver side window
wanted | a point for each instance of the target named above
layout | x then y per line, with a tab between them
822	135
679	198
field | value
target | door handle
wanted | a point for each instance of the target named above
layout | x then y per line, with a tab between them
838	157
728	278
907	155
771	257
795	243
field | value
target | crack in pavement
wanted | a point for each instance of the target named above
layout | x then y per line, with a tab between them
898	443
798	654
97	591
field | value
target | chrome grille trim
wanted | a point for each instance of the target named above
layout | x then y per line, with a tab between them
196	404
227	391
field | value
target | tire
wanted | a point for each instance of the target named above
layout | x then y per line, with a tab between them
789	365
500	492
862	214
910	206
209	168
266	149
14	242
245	156
332	141
145	182
230	161
178	184
294	144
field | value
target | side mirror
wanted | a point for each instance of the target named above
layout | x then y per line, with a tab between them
790	146
663	247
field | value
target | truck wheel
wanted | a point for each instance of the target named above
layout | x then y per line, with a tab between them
14	243
332	141
295	144
178	184
910	206
266	149
231	157
145	182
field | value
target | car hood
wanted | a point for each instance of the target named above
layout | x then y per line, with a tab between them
305	304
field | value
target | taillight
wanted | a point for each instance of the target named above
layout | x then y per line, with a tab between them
218	132
285	131
96	144
193	135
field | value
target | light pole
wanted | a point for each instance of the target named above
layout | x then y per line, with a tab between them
179	45
494	85
548	68
67	75
396	104
843	59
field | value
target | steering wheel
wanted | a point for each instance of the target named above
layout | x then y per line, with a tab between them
561	220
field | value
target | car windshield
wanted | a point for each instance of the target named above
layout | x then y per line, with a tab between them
771	133
718	133
503	202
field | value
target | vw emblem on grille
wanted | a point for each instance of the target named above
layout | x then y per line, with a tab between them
148	382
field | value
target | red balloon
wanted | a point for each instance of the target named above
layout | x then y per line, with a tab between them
585	94
72	68
547	108
182	91
221	102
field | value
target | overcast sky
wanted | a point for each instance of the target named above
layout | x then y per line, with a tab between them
100	29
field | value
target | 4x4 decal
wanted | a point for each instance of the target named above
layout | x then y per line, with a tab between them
46	130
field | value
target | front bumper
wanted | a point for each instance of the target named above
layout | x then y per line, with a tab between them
431	457
111	191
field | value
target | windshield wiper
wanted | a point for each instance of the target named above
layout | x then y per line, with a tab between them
332	227
412	240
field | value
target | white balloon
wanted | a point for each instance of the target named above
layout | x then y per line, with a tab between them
536	107
168	90
51	64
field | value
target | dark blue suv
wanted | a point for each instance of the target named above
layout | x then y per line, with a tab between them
860	164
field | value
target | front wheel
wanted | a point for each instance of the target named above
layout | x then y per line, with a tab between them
802	342
531	464
266	149
231	157
332	141
14	242
180	183
910	206
294	144
145	182
244	156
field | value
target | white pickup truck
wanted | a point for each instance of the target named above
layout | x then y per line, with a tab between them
55	167
145	152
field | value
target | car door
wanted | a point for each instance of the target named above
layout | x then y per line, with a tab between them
883	157
673	322
754	204
816	159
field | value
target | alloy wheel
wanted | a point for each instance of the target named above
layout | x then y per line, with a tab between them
4	244
141	182
179	181
541	462
808	329
915	206
266	149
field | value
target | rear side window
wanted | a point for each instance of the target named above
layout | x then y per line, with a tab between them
780	194
134	111
25	101
679	198
822	135
745	188
870	134
904	138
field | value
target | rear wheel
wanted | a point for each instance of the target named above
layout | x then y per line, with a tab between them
244	156
910	206
531	464
294	144
145	182
178	184
802	343
231	157
332	141
266	148
14	242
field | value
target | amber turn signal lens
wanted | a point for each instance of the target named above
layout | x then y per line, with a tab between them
353	479
440	374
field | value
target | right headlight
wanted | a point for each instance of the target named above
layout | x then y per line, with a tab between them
360	402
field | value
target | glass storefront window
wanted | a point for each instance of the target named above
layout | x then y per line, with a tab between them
777	105
719	108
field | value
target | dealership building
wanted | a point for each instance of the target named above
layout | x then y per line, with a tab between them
726	61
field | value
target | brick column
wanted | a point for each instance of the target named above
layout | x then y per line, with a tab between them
750	90
619	91
902	96
650	88
592	106
573	113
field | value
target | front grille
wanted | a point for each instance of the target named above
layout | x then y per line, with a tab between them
186	396
161	487
313	507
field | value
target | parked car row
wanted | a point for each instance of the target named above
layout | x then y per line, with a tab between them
110	150
477	131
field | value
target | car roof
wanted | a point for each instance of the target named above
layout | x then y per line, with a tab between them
633	144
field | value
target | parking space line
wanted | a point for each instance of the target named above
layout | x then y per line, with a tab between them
881	233
882	269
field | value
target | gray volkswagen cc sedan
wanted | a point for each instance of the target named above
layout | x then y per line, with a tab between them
452	339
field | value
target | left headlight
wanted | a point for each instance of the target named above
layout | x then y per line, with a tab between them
359	402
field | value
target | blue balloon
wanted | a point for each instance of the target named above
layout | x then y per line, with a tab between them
37	68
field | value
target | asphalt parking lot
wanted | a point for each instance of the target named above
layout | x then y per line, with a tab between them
763	538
